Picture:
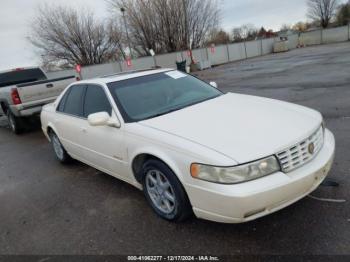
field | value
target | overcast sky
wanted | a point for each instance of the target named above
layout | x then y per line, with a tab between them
16	15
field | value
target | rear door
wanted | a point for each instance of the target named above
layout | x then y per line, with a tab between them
70	119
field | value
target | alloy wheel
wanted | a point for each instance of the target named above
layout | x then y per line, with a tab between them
160	191
57	147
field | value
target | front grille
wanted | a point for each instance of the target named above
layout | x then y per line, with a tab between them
299	154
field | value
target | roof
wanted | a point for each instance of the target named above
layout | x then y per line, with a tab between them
124	75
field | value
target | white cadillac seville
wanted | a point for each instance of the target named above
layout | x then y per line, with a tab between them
192	149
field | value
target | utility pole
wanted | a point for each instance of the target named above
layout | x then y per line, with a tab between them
187	37
126	30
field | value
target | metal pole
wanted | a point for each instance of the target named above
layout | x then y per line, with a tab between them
206	50
228	53
349	31
126	30
188	41
155	61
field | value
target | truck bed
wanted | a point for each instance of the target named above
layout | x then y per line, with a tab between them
44	89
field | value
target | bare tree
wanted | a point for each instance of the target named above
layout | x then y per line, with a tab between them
237	34
285	27
322	11
301	26
65	37
249	31
343	14
167	25
245	32
218	37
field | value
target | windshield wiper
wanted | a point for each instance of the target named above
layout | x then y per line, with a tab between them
163	113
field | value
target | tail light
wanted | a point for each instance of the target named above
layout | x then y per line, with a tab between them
15	96
18	69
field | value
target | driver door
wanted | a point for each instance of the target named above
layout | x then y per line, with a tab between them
104	147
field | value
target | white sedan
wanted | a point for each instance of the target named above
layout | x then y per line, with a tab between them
192	149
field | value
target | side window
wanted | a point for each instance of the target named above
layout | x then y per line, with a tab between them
74	100
62	103
96	101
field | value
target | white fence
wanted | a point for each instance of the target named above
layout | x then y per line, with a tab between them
222	54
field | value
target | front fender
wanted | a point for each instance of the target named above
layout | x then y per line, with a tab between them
170	158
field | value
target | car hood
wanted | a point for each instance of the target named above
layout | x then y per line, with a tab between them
242	127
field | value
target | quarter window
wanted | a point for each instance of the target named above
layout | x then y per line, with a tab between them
62	103
96	101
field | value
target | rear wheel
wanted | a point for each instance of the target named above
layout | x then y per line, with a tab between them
60	153
15	123
164	192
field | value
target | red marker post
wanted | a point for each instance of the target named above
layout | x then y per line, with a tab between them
190	55
212	49
128	62
78	70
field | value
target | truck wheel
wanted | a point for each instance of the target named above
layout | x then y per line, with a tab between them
15	123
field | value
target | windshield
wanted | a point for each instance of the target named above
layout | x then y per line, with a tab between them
17	77
158	94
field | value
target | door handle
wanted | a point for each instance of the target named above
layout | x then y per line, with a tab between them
49	85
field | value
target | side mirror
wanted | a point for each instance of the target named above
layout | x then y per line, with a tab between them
103	119
213	84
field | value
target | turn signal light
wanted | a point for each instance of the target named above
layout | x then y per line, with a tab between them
194	170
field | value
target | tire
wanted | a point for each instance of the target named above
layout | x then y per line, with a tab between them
15	123
164	192
60	153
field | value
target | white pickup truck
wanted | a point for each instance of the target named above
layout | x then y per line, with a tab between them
23	92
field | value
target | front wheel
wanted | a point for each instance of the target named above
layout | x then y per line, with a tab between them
164	192
15	123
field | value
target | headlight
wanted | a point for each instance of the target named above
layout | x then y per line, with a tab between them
236	174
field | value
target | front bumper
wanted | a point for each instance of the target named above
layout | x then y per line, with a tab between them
248	201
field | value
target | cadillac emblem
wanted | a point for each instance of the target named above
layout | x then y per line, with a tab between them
311	148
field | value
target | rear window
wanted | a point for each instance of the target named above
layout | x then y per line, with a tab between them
21	76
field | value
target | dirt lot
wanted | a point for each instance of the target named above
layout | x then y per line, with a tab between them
47	208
